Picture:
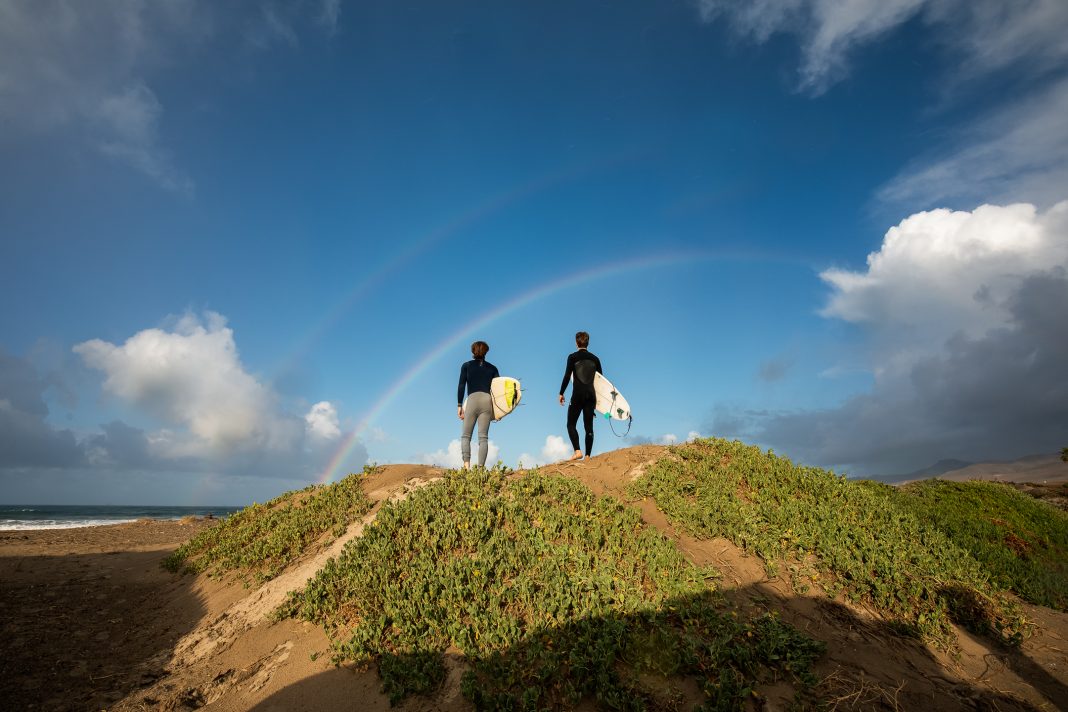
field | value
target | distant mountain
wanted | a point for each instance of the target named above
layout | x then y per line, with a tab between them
925	473
1033	468
937	469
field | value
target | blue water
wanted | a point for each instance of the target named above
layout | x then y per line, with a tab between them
53	516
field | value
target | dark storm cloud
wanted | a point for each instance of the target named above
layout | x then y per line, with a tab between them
120	446
26	439
1000	396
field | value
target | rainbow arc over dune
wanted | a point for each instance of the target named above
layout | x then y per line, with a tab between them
494	205
582	277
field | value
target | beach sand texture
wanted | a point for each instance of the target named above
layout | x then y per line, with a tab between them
91	621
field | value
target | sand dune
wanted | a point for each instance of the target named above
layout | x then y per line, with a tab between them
92	621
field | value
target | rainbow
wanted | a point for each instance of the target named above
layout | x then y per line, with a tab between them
351	439
495	204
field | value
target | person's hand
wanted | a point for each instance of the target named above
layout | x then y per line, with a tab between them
561	399
460	412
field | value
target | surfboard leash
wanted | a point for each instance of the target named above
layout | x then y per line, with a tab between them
630	422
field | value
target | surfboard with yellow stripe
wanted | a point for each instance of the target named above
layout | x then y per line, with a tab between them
506	394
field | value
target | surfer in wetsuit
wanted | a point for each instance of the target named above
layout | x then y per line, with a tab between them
476	376
582	365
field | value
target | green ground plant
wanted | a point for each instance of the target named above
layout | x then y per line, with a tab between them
550	593
261	540
860	538
1020	541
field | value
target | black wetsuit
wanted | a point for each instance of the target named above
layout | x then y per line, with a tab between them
582	365
476	375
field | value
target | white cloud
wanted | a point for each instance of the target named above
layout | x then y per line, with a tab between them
1018	153
217	419
693	435
129	126
668	439
86	68
82	66
940	272
322	422
987	34
192	377
554	450
452	457
966	316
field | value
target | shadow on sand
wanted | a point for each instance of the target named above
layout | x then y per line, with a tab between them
80	631
693	651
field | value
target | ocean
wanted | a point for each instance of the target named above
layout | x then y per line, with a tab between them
52	516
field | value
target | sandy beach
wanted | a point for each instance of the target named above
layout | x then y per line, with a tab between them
86	611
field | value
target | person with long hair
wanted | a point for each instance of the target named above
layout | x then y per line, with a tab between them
476	376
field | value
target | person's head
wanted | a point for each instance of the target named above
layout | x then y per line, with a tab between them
582	339
479	349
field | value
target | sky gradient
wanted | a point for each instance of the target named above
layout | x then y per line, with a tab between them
245	248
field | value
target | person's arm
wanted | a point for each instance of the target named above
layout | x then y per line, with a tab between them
568	372
567	376
598	365
462	386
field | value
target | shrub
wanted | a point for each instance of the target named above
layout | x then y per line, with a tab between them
860	538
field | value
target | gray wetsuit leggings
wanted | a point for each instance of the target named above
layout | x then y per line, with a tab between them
479	407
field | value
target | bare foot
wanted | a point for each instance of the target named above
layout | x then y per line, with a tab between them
576	456
467	465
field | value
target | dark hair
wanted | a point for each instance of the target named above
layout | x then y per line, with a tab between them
479	349
582	339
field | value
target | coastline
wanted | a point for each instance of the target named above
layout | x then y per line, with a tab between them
35	517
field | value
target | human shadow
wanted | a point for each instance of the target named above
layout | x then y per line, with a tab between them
770	653
80	631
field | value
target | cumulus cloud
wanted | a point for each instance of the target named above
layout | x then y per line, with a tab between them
217	420
554	450
451	457
968	315
987	34
322	421
192	377
940	272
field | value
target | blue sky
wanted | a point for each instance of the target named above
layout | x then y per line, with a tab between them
233	237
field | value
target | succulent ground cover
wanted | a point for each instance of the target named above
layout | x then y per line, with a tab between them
551	595
261	540
1021	541
860	538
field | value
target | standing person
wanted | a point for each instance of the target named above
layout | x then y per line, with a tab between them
476	376
582	365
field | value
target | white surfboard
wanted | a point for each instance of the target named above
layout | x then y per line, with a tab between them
610	402
506	394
